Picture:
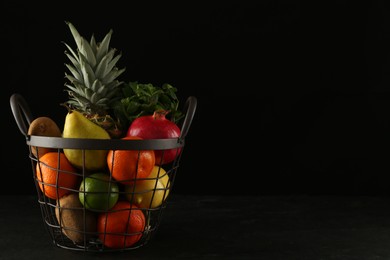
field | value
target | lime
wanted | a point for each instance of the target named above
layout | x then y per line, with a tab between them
98	192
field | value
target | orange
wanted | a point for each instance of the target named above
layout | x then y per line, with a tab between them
55	175
122	226
127	165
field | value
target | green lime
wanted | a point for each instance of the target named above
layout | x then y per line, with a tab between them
98	192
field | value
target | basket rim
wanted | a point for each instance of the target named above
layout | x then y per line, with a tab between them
104	144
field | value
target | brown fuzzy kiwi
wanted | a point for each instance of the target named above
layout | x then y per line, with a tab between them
70	214
43	126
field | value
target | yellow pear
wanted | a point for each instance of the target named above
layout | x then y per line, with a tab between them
78	126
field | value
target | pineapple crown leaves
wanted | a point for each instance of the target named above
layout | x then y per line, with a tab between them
100	98
93	73
144	99
92	50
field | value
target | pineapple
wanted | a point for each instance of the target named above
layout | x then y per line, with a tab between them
93	86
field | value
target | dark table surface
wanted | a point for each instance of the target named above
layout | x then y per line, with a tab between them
226	227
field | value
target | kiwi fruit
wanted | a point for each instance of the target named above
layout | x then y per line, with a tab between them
74	224
43	126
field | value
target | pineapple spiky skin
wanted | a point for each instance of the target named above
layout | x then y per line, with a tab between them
93	86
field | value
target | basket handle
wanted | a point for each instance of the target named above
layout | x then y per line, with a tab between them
189	107
19	105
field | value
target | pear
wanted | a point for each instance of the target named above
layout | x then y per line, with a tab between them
78	126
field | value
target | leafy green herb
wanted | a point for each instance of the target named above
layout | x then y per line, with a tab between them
144	99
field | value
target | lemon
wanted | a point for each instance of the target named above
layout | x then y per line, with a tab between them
150	192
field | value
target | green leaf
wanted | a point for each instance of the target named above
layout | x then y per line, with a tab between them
144	99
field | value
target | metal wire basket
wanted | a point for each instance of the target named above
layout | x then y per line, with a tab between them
89	236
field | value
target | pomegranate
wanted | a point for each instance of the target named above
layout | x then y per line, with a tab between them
156	126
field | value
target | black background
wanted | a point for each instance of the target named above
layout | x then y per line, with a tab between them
292	98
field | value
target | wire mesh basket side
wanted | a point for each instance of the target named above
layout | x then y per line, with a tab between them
91	239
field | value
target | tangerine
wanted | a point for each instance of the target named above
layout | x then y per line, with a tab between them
127	165
122	226
56	176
